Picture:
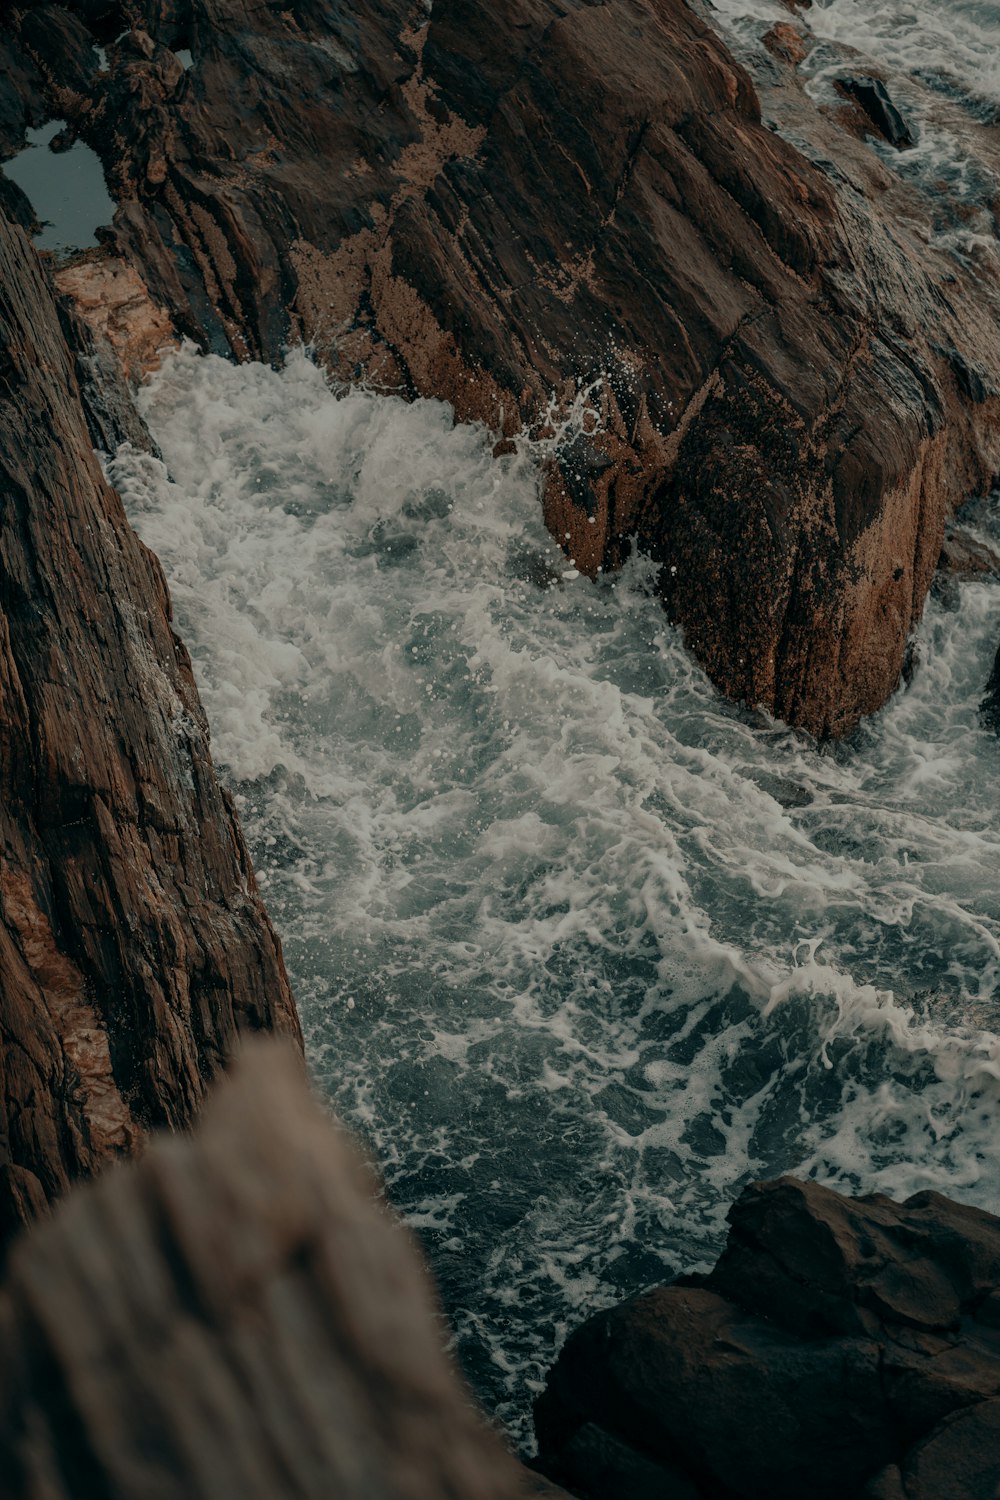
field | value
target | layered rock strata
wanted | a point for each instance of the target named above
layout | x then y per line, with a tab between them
234	1317
792	377
843	1349
133	944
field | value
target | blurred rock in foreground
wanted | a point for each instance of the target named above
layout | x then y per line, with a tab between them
233	1316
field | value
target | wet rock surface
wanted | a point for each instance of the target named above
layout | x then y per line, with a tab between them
843	1348
965	555
873	96
235	1316
133	944
790	386
500	206
990	709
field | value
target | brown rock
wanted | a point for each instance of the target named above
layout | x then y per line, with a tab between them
787	42
965	556
115	302
234	1316
820	1263
846	1349
510	203
133	944
961	1461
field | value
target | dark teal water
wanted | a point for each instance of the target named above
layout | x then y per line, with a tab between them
66	189
580	948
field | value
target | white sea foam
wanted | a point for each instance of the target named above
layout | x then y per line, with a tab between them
579	946
933	39
942	62
949	43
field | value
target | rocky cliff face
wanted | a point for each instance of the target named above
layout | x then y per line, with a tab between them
789	385
792	382
133	944
848	1350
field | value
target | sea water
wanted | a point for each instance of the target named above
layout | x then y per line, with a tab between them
941	62
66	189
580	947
950	45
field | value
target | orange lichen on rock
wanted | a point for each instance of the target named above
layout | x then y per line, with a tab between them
114	300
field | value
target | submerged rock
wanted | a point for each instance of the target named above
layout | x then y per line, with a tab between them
510	206
846	1349
990	706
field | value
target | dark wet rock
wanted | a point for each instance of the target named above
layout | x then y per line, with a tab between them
960	1461
873	96
845	1349
972	381
990	707
508	205
785	792
22	94
16	206
234	1316
616	1471
134	947
964	555
531	566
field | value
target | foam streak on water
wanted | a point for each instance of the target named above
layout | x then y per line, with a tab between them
941	60
579	947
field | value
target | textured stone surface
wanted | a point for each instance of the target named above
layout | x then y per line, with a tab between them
235	1317
965	555
792	383
874	99
115	303
990	707
847	1349
133	944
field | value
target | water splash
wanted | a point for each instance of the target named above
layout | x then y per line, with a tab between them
941	59
579	946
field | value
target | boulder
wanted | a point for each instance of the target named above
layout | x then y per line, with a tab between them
841	1348
567	216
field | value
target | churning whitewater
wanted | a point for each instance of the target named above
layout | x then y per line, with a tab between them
579	946
941	61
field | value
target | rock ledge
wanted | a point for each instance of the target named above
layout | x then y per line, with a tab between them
845	1349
